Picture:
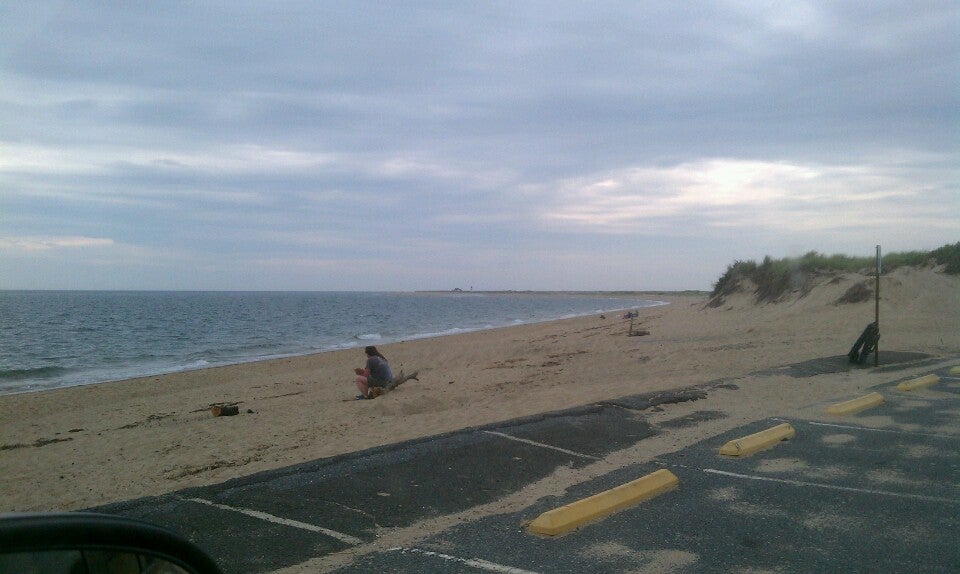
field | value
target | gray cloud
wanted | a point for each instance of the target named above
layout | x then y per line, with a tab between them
223	132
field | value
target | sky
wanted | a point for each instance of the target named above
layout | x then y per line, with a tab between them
384	146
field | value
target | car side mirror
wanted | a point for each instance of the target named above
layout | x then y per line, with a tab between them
88	543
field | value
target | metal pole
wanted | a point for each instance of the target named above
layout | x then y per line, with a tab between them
876	351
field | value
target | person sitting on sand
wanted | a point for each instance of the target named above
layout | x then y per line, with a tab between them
377	377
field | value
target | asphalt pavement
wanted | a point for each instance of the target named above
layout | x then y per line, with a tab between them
877	490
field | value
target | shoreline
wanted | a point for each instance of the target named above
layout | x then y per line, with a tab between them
78	447
142	372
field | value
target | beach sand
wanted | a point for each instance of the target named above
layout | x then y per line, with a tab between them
78	447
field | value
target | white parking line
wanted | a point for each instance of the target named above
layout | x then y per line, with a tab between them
352	540
542	445
893	431
833	486
474	562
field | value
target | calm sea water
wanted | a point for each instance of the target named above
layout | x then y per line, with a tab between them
63	338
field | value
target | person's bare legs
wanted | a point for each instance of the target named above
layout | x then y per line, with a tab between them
363	386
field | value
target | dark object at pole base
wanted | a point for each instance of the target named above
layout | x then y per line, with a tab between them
866	344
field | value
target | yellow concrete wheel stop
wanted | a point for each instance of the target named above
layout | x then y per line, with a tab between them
758	441
566	518
924	381
856	405
954	370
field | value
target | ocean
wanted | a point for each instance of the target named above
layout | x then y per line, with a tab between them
51	339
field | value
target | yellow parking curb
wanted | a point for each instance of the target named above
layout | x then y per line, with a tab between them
955	370
757	441
924	381
856	405
566	518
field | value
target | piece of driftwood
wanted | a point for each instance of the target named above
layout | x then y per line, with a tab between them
401	378
224	410
374	392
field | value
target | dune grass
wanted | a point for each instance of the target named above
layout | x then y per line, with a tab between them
774	277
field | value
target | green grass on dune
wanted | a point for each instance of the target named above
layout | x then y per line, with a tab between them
774	277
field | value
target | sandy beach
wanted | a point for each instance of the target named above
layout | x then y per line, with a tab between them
79	447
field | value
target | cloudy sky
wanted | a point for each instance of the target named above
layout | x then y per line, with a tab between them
431	145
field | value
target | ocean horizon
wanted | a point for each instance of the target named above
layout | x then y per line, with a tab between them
53	339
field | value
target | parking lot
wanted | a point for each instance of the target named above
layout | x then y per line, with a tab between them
878	489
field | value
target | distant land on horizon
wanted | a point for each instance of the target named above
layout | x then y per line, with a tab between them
567	292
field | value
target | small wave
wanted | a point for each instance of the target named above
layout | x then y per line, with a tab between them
452	331
335	347
369	337
35	373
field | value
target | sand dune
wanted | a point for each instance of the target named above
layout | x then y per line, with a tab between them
79	447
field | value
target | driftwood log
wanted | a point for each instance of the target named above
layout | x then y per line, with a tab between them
401	378
224	410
